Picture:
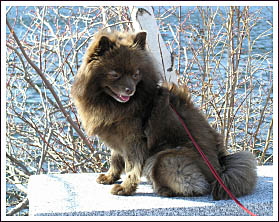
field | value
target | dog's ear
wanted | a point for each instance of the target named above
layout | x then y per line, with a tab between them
104	45
140	40
99	48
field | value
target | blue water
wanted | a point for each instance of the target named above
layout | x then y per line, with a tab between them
262	46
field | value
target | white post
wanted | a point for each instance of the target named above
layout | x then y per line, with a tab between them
143	19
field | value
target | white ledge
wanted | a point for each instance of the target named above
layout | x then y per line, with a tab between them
80	195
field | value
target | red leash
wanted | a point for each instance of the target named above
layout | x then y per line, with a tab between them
210	166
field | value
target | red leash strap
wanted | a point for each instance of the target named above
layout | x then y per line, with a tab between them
210	166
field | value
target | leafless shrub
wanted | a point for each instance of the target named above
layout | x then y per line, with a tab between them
221	59
218	55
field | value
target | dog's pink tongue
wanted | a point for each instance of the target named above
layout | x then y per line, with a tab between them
124	98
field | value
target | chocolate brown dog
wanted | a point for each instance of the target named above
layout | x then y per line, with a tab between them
119	98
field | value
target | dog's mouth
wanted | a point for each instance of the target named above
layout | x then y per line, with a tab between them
120	97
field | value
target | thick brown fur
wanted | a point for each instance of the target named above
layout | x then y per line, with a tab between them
175	167
119	98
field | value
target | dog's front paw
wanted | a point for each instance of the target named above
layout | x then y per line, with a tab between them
117	189
105	179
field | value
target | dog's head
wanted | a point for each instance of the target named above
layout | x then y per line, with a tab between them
114	64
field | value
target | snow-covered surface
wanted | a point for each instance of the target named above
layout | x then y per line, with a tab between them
79	194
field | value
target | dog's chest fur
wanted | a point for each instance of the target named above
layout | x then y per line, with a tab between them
123	135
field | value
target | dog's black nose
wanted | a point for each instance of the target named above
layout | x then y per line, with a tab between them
129	91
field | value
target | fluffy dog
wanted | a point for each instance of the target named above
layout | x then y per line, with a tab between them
119	98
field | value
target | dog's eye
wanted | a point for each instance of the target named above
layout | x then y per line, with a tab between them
113	75
136	74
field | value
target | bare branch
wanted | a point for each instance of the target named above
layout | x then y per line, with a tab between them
67	116
19	207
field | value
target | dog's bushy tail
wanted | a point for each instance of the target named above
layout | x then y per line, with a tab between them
239	175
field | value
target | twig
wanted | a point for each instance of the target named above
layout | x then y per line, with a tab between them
267	142
19	207
19	163
44	152
262	115
51	90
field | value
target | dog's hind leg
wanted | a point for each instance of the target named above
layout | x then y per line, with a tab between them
173	173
